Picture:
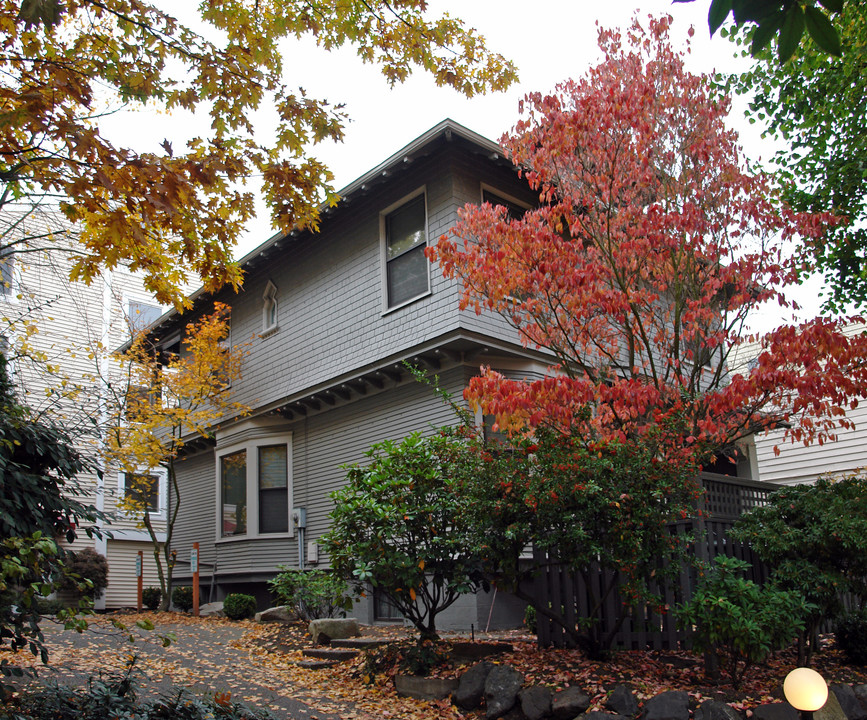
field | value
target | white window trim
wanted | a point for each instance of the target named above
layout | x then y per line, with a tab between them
251	447
269	296
10	294
383	250
484	187
162	493
137	298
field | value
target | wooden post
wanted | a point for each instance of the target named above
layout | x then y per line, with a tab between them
194	566
138	574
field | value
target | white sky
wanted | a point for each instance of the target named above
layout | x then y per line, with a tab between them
548	40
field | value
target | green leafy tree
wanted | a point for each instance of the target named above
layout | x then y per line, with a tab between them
38	467
174	211
815	538
738	622
601	509
815	105
401	525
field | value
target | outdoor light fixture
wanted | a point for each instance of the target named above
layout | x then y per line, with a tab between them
806	691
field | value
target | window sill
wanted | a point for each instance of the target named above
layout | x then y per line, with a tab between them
269	332
388	311
240	538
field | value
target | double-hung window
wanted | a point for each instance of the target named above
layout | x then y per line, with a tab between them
407	275
140	315
255	487
7	276
142	492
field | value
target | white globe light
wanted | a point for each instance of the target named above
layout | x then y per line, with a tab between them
805	689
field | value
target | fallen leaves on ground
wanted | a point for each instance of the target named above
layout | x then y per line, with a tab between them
274	650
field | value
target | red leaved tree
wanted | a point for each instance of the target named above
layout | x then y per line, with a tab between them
651	245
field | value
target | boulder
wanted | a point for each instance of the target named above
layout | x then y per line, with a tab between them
715	710
281	614
861	693
211	609
568	703
597	715
670	705
471	686
535	702
622	701
850	703
775	711
324	630
424	688
501	690
831	710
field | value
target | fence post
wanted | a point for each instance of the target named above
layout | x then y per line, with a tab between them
194	566
138	575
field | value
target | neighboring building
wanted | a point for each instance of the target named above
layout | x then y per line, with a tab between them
60	369
779	460
331	316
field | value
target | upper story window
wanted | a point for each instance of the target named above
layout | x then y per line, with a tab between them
269	308
405	235
140	315
143	491
515	208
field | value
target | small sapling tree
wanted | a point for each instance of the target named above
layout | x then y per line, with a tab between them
162	407
400	524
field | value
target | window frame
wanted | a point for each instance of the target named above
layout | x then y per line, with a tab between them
162	474
269	301
485	188
131	329
387	307
9	293
251	447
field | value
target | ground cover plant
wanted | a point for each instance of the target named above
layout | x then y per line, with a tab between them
312	594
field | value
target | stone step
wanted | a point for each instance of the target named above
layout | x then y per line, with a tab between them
361	643
336	654
316	664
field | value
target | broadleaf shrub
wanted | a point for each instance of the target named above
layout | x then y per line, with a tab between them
238	606
86	564
312	594
182	598
150	597
738	621
851	634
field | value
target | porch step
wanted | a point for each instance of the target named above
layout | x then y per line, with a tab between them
361	643
335	655
316	664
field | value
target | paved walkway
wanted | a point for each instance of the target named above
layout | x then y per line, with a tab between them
202	658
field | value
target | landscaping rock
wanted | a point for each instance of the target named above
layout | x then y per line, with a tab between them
471	686
775	711
597	715
831	710
501	690
568	703
535	702
211	609
280	614
622	701
424	688
324	630
861	693
465	650
671	705
850	703
715	710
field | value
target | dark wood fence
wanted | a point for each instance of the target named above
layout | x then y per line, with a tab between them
724	500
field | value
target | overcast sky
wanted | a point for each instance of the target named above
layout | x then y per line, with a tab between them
548	40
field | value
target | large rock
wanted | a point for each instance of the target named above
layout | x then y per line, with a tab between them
622	701
861	693
849	701
535	702
471	686
569	702
424	688
831	710
715	710
281	614
597	715
324	630
501	690
671	705
209	609
775	711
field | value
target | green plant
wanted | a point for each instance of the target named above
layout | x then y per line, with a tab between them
182	598
312	594
737	621
150	597
530	618
238	606
44	606
851	634
409	656
86	564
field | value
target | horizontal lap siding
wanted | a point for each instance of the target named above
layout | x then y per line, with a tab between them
122	590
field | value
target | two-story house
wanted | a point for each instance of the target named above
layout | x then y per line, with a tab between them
59	336
331	317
